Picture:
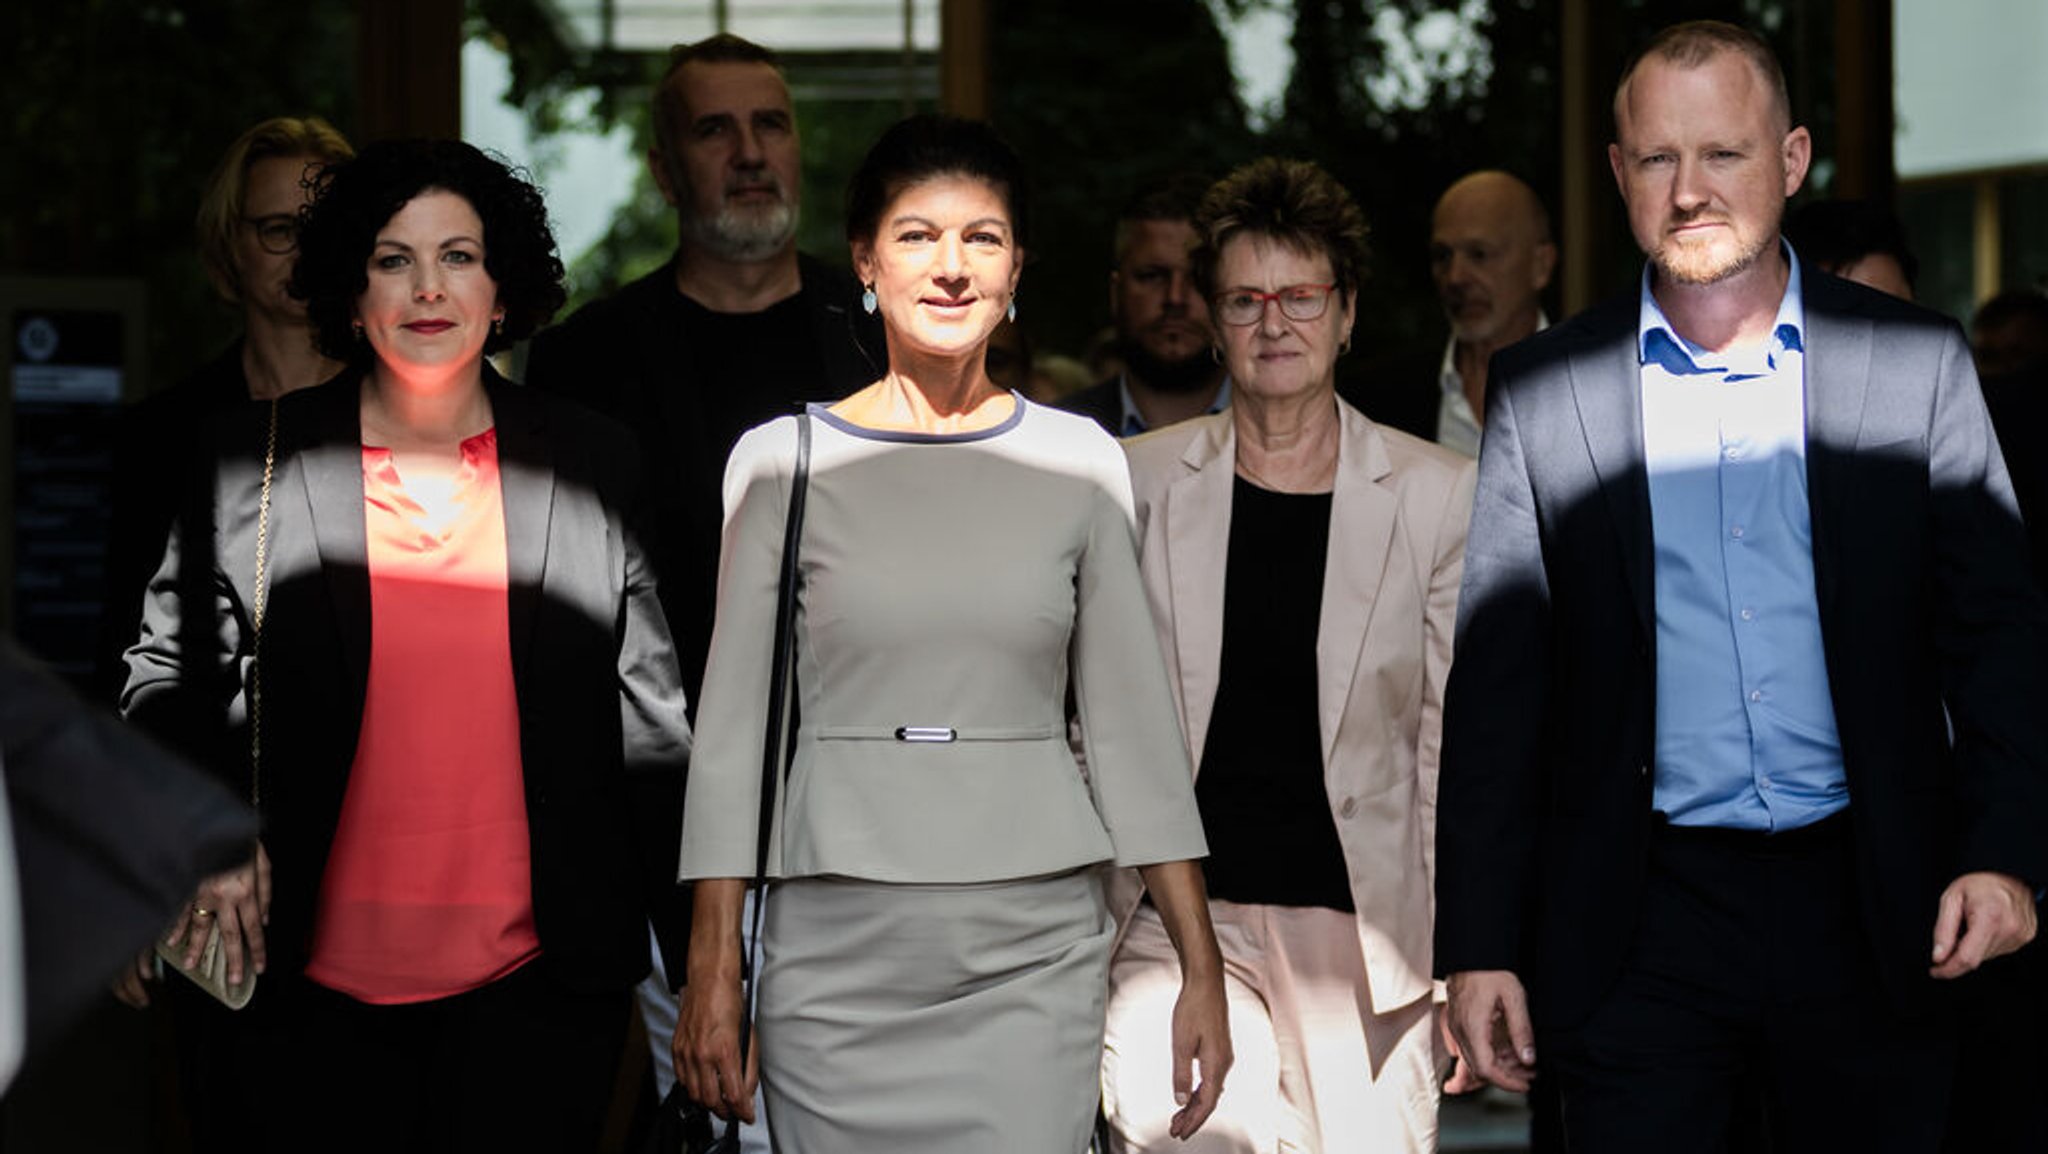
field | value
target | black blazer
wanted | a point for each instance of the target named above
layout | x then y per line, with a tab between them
1927	612
601	725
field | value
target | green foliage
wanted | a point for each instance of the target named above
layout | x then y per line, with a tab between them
1396	157
118	110
1100	99
642	236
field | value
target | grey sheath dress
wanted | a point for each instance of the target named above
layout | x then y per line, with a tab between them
936	953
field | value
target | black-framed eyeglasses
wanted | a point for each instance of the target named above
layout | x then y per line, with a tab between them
1298	302
278	233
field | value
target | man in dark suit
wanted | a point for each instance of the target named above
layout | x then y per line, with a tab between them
1163	334
1743	753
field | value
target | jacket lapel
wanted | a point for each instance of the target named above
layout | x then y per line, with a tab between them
1607	388
1838	356
330	456
1362	516
1198	544
526	474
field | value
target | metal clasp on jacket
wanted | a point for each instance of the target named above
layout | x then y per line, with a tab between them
926	733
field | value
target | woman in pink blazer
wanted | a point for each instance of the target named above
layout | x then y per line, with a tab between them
1302	565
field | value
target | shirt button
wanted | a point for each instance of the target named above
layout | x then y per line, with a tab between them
1763	784
1736	532
1756	695
1349	808
1748	614
1733	452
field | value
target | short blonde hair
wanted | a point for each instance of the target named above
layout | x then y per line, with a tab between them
1695	42
220	206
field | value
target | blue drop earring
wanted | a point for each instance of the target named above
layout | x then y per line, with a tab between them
867	300
1012	312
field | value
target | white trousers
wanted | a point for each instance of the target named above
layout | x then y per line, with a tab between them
1317	1072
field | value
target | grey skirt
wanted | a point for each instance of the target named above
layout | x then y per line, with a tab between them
954	1019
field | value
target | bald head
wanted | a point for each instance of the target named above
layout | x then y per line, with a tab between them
1491	256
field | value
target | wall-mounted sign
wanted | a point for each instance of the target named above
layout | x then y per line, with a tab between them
73	354
66	356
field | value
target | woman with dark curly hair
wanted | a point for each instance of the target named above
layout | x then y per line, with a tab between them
432	607
1302	565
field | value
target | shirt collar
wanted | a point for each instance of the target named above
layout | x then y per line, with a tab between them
1447	377
1133	421
1658	343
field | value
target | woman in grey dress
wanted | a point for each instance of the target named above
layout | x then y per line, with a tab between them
935	953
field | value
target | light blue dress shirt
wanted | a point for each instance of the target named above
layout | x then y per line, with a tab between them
1746	734
1134	421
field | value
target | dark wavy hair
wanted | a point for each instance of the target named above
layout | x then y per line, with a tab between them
353	200
926	146
1290	201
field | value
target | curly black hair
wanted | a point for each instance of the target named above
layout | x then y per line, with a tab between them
353	200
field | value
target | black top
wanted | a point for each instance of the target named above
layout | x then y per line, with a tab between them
2019	413
689	381
1264	807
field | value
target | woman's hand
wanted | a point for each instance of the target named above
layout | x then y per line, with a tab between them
706	1050
133	983
1461	1079
1201	1038
706	1046
239	902
1201	1015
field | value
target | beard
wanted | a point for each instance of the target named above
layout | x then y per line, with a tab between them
1705	264
744	232
1471	331
1180	375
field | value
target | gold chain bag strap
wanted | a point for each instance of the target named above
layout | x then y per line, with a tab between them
211	972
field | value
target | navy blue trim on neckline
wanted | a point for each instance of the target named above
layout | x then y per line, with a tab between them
908	437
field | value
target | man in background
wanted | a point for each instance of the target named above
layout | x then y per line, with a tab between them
1162	323
1491	256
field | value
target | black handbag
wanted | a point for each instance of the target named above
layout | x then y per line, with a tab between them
685	1125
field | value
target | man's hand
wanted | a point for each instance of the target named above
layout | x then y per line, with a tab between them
1490	1027
1982	916
1461	1079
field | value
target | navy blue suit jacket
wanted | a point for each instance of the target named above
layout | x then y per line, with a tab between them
1928	613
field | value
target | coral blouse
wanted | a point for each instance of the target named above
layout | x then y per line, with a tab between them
428	890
